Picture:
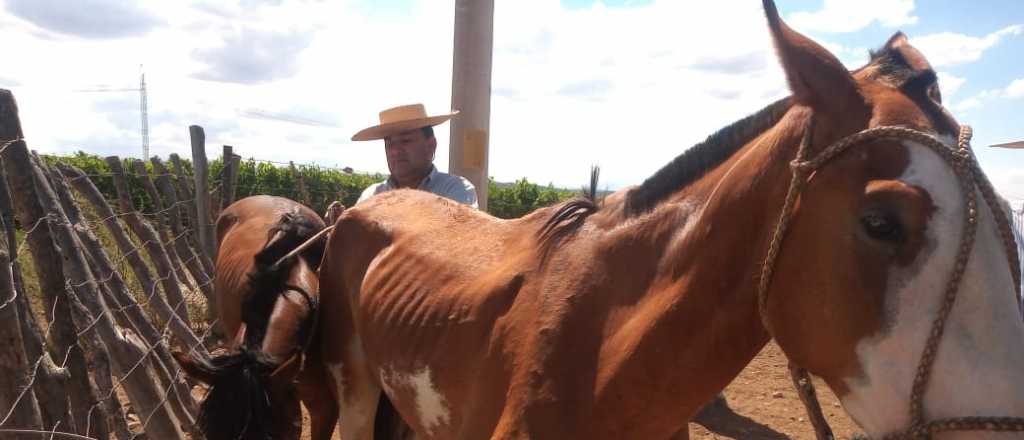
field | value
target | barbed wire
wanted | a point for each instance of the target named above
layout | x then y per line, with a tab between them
51	433
193	286
163	317
9	142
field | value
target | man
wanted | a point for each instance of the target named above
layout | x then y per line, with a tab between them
409	145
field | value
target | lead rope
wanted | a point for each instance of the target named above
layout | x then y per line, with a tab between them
969	174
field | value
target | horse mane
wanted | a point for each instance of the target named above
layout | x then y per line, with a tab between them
682	171
564	222
698	160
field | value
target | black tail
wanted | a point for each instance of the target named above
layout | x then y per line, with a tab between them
239	404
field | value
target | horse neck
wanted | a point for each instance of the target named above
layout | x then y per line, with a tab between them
291	312
706	243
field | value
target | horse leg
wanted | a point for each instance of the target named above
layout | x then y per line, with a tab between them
314	392
356	391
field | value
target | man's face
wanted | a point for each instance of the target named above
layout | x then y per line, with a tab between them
410	155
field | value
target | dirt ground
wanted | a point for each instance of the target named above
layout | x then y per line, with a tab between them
761	404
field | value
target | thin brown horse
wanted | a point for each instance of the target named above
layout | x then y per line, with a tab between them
620	321
270	307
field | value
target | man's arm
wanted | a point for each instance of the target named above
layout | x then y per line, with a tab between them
461	190
370	191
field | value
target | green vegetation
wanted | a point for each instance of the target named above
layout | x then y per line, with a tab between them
323	184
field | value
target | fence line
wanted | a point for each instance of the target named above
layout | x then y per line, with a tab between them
92	312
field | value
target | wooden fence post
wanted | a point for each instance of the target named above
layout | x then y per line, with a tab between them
95	349
179	244
157	253
158	220
16	395
130	315
303	191
199	273
230	180
183	185
88	190
50	379
92	318
187	195
201	174
49	266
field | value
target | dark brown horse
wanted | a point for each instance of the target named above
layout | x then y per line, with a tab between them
271	309
620	321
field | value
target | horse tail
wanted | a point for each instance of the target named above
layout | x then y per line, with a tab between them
240	404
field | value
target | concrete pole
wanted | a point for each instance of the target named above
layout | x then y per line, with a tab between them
471	93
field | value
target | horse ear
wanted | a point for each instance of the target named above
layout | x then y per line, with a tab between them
816	77
192	368
896	40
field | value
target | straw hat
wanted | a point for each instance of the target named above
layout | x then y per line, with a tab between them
399	119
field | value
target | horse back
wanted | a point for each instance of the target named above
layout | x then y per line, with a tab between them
424	283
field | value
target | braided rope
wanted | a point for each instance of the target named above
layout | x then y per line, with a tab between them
970	176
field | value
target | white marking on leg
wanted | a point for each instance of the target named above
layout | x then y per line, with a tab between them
357	395
430	404
431	407
339	384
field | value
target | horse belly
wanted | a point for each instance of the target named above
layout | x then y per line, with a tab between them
434	378
429	345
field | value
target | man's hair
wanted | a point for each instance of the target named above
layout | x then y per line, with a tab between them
428	132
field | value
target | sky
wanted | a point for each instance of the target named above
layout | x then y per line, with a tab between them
624	84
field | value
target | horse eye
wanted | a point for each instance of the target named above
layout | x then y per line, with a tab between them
882	227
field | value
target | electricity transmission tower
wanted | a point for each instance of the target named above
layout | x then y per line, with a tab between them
143	107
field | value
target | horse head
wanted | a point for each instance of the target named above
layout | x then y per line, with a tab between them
268	301
894	278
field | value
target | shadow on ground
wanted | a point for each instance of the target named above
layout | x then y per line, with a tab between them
718	418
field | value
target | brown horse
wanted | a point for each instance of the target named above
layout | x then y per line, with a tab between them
270	307
620	321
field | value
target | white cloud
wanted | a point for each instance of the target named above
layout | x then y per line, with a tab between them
949	83
87	18
847	16
986	96
1015	89
572	87
949	49
963	106
252	56
628	88
1009	182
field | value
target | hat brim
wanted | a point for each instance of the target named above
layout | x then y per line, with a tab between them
384	130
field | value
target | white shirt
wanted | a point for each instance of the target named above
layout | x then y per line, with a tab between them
446	185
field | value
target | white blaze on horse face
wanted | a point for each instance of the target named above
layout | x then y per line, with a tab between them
978	368
431	407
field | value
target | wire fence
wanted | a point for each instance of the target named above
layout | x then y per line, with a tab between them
102	275
95	294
